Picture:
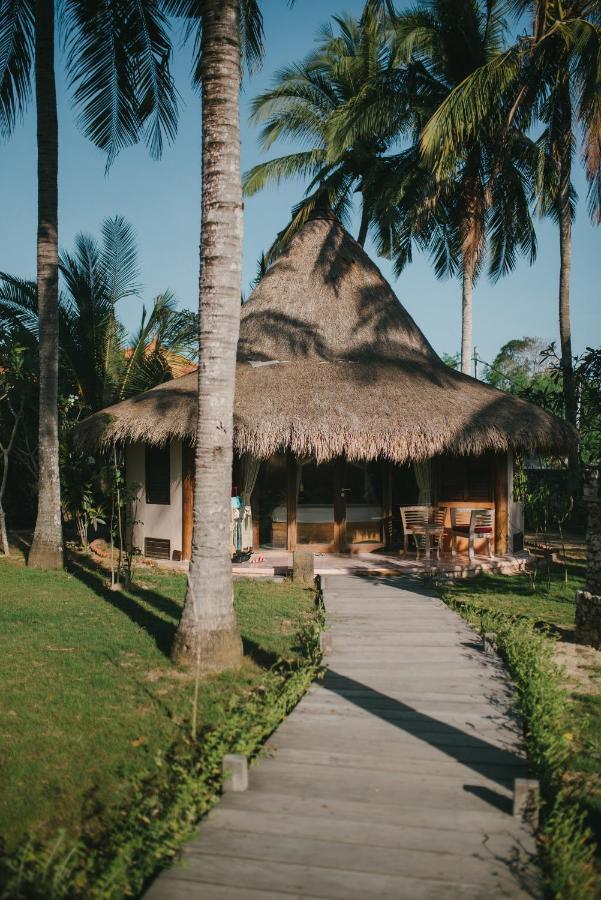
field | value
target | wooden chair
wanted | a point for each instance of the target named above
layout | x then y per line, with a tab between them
471	524
426	524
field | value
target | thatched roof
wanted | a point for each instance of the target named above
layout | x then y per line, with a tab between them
330	363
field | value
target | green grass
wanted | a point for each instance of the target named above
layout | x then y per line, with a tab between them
89	694
552	605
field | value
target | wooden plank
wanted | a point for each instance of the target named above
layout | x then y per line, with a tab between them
291	470
359	857
187	498
353	831
315	881
486	822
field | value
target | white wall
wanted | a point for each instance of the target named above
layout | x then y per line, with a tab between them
156	520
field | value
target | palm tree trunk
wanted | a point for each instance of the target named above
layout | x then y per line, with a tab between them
466	314
208	635
565	268
362	236
47	546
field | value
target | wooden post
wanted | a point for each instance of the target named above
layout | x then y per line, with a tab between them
291	467
187	498
387	502
340	544
501	485
255	503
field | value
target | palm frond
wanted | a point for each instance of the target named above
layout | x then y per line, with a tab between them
469	106
252	35
16	57
294	165
119	258
118	56
18	304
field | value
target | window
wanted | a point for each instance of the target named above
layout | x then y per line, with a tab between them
466	478
158	475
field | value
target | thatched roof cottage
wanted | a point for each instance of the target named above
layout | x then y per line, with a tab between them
344	413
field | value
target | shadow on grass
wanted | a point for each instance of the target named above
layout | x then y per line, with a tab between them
160	621
263	658
132	601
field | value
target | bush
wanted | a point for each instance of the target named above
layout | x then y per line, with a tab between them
566	848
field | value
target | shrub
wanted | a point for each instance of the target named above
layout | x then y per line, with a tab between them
566	848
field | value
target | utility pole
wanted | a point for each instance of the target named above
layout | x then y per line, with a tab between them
475	359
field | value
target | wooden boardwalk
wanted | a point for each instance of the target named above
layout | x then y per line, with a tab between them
391	779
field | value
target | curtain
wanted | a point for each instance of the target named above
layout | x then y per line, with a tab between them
423	476
249	470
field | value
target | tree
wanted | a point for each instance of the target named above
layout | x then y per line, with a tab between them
479	203
517	363
99	363
208	636
117	63
302	104
549	78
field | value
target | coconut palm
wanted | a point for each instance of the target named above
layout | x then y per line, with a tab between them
208	636
117	63
550	78
301	105
99	362
479	205
224	33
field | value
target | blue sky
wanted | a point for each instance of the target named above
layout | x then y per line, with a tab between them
162	200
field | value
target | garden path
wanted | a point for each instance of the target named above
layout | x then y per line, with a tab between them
392	778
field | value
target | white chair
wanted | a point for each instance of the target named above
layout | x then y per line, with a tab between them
472	523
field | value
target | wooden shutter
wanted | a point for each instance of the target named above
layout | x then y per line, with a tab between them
158	475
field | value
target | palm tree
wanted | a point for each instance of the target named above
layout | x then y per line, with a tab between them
98	362
550	77
117	63
302	104
480	202
208	637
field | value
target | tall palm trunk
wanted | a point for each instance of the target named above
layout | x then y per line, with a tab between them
47	547
467	313
364	225
565	268
208	636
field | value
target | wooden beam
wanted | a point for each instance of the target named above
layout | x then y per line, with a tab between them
255	502
187	498
387	511
291	468
340	544
501	486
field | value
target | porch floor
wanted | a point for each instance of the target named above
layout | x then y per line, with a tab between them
271	563
279	562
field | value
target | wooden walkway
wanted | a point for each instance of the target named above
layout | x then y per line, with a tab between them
392	778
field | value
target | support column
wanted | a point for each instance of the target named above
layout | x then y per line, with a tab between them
387	502
255	503
291	468
187	498
340	544
501	488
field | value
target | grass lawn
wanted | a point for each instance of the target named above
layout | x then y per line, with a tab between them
554	606
89	693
